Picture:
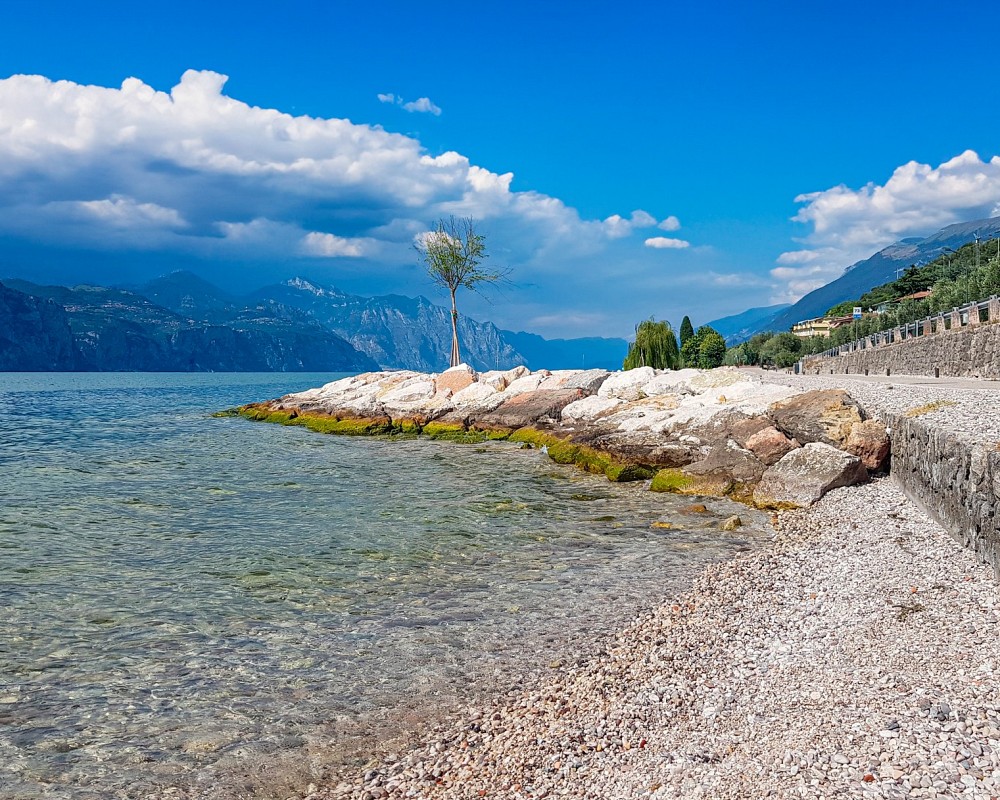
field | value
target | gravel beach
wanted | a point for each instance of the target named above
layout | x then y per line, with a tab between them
854	656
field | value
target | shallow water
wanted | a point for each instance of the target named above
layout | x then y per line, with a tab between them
190	601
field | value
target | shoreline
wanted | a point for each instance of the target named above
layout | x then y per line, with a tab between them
833	661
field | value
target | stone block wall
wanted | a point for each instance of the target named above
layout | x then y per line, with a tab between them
969	352
955	481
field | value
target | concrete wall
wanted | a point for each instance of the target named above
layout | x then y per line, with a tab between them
955	481
968	352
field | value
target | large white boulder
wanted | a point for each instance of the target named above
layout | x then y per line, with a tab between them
627	385
590	408
804	475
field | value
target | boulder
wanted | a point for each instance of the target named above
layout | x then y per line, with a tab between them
824	415
770	445
731	460
495	379
478	397
869	441
627	385
645	447
526	383
527	408
456	378
589	408
589	381
805	474
732	523
741	430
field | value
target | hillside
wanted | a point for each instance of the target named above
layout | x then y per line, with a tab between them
739	327
879	269
113	329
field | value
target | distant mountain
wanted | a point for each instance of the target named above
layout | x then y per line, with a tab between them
740	327
182	322
192	297
878	269
586	353
398	332
119	330
34	334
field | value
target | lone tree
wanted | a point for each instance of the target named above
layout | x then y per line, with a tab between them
453	253
654	346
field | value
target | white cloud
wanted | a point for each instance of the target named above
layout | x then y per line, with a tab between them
328	245
193	173
423	105
671	223
666	243
848	225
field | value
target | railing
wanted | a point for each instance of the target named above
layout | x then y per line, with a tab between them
977	313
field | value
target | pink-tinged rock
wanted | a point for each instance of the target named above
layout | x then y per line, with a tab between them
528	408
869	441
495	379
456	378
804	475
770	445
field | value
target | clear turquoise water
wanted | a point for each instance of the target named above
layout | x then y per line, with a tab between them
200	603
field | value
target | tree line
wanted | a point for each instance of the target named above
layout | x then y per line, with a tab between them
656	345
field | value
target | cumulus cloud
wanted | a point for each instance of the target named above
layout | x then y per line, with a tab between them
851	224
422	105
671	223
193	173
666	243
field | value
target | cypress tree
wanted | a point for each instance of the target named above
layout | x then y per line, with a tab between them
687	330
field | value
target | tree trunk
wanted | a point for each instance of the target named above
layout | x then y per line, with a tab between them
455	358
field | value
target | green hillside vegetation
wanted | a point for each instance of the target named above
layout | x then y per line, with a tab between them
955	278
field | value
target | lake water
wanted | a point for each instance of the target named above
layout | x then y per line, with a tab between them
222	608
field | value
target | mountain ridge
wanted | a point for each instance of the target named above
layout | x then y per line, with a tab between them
877	269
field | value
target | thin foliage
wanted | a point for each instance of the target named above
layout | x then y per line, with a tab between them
453	254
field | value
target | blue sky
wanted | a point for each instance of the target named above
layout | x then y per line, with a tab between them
765	146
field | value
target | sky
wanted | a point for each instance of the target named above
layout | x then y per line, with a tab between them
624	161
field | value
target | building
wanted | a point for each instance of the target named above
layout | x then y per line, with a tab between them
819	326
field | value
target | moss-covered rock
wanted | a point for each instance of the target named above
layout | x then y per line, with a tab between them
452	432
677	481
622	473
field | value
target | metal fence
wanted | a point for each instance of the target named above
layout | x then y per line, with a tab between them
977	313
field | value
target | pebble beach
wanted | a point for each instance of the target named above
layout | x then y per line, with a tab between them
854	655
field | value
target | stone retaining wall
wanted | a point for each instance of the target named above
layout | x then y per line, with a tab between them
955	482
968	352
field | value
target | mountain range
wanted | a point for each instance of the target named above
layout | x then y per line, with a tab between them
871	272
180	322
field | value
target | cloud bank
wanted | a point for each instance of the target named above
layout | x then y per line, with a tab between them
195	174
851	224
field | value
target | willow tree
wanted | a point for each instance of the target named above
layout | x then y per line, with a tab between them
453	254
655	346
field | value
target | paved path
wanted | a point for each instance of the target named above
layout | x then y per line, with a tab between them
904	380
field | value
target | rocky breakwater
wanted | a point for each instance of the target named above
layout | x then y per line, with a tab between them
717	432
